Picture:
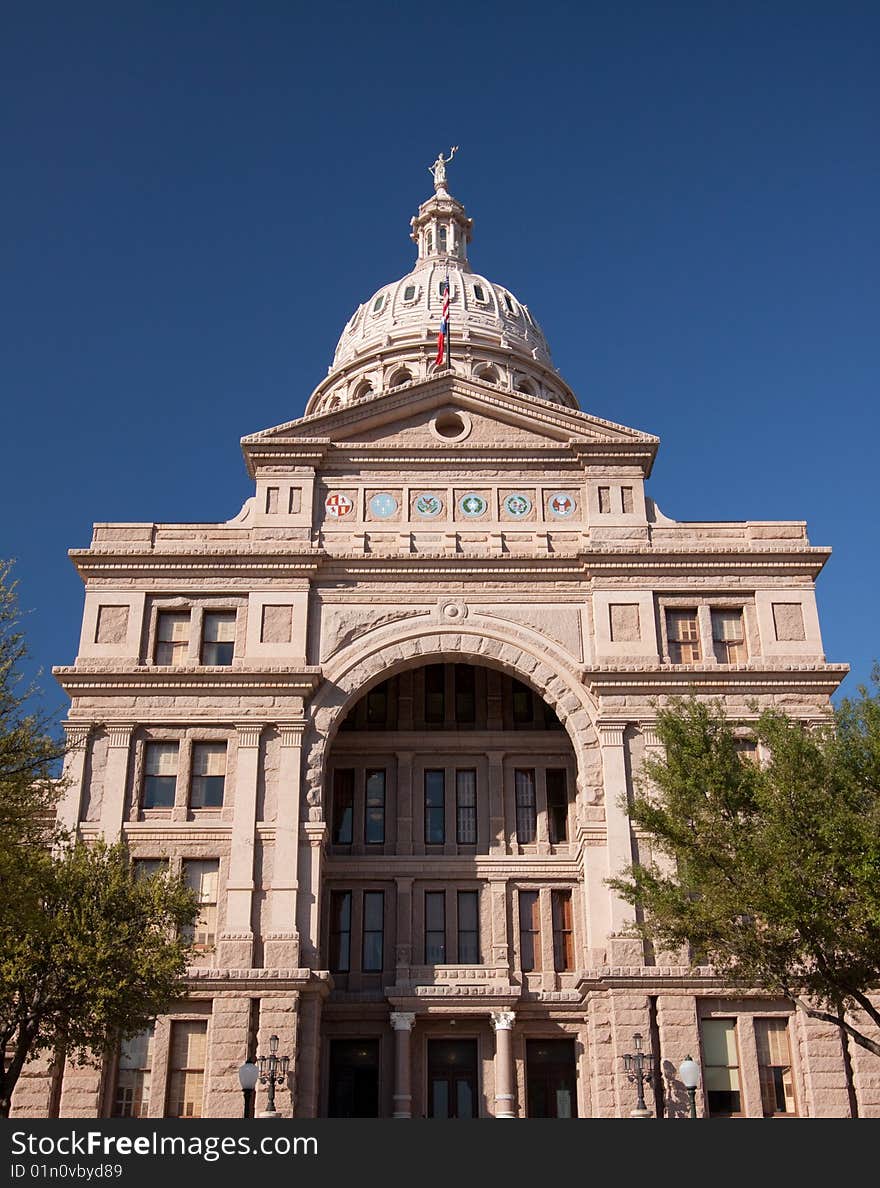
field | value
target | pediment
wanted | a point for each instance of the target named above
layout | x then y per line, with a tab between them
496	419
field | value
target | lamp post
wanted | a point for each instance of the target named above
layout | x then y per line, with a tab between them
689	1072
273	1071
634	1064
248	1075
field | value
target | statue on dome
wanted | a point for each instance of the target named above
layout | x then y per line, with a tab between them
438	169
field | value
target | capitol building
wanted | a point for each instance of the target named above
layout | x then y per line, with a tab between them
384	721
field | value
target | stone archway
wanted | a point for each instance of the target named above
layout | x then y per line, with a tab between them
356	669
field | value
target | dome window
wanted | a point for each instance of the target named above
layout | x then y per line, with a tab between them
409	293
479	293
378	303
524	386
489	374
441	239
429	241
401	376
363	390
509	303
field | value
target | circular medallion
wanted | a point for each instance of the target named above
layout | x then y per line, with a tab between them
428	506
472	504
517	506
383	505
338	505
561	504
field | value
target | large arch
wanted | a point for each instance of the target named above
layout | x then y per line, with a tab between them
353	671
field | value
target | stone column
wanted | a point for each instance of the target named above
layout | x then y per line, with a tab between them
70	806
403	949
310	896
402	1022
115	776
618	846
236	942
505	1100
498	835
282	941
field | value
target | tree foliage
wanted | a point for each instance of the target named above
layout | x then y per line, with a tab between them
770	871
88	954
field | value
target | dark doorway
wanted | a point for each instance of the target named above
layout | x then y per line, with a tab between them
354	1079
452	1079
551	1072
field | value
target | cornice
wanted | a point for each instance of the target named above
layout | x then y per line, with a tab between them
295	563
679	679
228	682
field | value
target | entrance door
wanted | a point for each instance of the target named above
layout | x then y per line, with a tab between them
452	1079
551	1078
354	1079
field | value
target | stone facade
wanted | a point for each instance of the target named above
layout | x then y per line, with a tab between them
384	720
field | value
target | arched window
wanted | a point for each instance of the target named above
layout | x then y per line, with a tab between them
402	376
523	385
479	293
441	239
378	303
409	293
429	241
363	390
508	303
489	374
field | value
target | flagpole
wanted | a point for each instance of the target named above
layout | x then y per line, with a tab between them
448	323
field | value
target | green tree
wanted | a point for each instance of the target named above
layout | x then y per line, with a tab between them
88	954
771	872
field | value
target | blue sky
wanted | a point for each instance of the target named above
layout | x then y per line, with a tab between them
197	195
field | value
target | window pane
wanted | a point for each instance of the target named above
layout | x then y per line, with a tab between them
435	694
466	807
465	694
160	775
374	922
435	807
202	876
683	633
187	1070
469	927
132	1095
774	1066
377	705
208	775
557	806
172	638
563	937
374	814
343	806
720	1065
218	639
529	931
435	927
526	816
340	931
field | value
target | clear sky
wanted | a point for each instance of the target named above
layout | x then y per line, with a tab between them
196	196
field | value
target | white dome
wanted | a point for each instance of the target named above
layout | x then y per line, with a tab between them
391	339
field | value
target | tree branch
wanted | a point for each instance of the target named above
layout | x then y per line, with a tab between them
862	1040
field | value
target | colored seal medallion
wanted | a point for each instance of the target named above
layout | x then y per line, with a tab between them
473	504
517	505
561	504
338	505
383	505
428	506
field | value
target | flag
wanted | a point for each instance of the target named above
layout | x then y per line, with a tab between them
443	336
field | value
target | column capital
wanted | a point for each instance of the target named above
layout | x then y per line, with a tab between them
291	733
76	734
649	734
249	733
402	1020
611	733
503	1020
119	733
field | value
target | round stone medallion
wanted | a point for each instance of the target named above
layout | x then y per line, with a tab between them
472	505
561	504
383	505
338	505
517	505
428	505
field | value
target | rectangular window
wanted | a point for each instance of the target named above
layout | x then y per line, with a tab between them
435	694
148	868
377	705
774	1066
530	930
340	931
218	639
721	1066
683	634
435	808
208	775
343	806
563	933
131	1098
557	806
526	815
469	927
728	637
522	704
466	807
435	927
160	774
374	925
186	1081
172	638
626	500
465	695
374	814
201	875
604	500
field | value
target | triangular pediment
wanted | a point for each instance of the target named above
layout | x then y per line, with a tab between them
409	417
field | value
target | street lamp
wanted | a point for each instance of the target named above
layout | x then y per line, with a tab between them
689	1072
634	1065
273	1071
248	1075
